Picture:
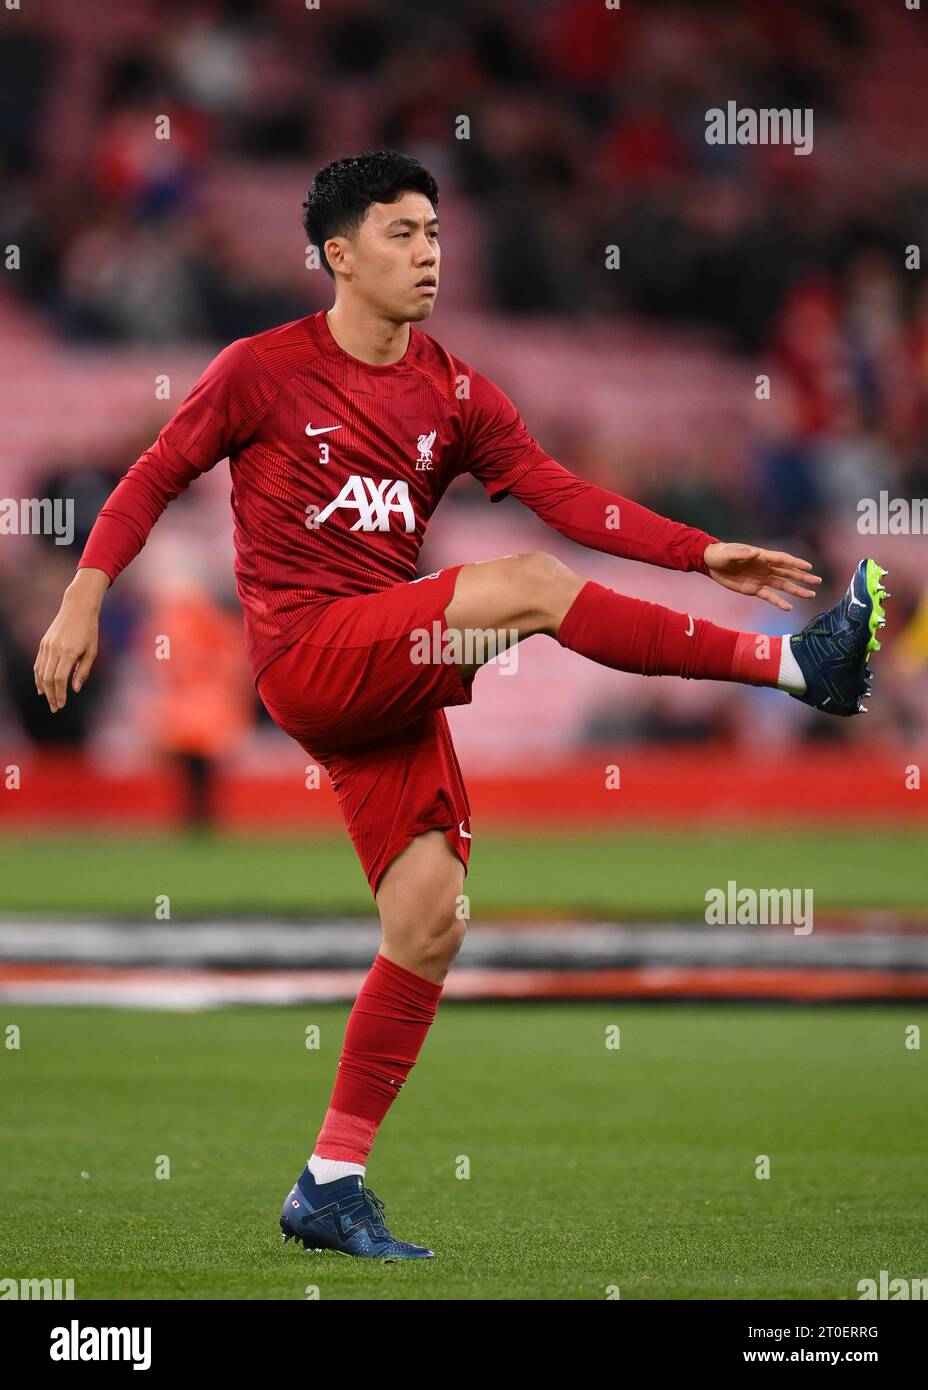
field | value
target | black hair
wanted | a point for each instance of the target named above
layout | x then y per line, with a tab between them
342	192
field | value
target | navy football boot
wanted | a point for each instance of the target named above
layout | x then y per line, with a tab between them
832	649
343	1215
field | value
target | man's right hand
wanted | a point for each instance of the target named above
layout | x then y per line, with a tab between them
70	644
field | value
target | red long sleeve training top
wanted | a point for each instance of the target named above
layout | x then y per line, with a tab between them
337	466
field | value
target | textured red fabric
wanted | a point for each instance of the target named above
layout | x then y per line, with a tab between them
348	693
629	634
337	512
386	1029
337	467
602	520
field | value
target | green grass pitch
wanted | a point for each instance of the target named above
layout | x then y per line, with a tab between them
590	1169
622	873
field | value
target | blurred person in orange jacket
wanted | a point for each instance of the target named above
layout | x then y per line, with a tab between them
201	696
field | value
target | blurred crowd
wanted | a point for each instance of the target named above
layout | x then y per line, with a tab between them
584	128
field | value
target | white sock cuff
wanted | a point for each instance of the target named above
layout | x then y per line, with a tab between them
331	1169
790	678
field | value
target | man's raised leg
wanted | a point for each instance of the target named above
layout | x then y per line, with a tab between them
521	595
826	665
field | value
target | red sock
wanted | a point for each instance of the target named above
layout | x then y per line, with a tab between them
386	1030
629	634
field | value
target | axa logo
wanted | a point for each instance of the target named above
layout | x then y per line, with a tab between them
374	502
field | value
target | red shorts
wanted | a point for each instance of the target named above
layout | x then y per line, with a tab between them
353	696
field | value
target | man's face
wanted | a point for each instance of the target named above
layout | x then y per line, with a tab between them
393	260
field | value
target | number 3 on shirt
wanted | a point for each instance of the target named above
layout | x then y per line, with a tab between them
323	451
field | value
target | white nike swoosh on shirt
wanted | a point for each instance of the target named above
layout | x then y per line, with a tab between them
324	430
690	630
465	834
